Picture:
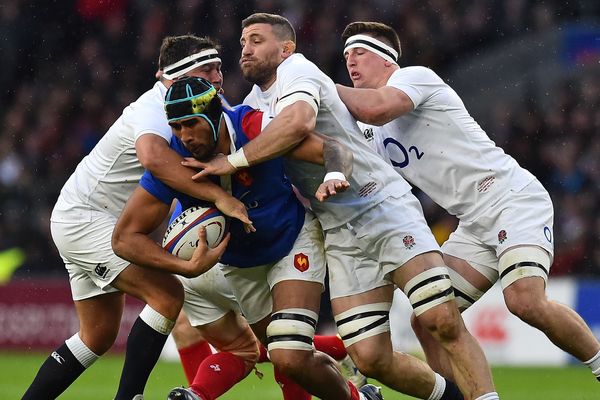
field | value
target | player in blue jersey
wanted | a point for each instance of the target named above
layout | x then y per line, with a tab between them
285	253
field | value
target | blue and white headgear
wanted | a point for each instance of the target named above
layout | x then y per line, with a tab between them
194	97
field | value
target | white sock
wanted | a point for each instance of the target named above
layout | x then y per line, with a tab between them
156	320
81	352
594	364
438	388
489	396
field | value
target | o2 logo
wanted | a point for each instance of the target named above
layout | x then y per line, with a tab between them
397	145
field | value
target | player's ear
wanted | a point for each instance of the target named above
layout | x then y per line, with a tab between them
288	49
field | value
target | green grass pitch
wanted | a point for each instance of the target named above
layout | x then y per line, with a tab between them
100	381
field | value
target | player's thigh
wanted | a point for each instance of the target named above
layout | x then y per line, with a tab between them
86	250
352	272
160	290
100	319
251	290
394	232
297	280
208	298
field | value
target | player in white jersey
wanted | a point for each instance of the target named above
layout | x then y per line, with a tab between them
421	127
375	232
82	223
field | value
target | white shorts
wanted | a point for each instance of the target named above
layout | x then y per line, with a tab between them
361	254
516	219
86	250
208	297
305	262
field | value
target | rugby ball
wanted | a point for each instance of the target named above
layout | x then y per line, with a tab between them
181	237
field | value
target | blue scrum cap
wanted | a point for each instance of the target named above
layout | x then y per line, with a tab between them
194	97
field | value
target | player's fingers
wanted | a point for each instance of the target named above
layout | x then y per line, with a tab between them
202	237
192	162
249	228
220	248
202	174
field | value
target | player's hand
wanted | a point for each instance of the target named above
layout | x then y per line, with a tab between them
331	188
204	257
234	208
218	165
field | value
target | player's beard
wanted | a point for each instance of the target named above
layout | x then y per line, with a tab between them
204	153
259	72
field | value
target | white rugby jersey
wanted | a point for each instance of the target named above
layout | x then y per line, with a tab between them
106	177
372	178
441	149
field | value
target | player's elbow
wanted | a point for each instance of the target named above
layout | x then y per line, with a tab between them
118	243
152	164
374	114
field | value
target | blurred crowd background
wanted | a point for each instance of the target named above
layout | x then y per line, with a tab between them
529	71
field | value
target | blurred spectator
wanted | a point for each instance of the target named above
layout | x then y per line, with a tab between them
62	60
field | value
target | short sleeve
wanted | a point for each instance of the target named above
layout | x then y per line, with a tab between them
419	83
298	80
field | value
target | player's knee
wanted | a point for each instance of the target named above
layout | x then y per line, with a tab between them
168	300
442	322
370	360
524	305
290	339
100	340
185	334
290	362
246	347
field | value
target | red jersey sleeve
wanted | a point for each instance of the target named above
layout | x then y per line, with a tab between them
252	123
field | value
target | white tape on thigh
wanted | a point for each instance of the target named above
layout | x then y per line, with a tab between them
523	262
429	289
292	329
364	321
465	293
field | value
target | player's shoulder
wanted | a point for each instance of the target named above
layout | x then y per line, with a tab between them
149	106
297	64
417	71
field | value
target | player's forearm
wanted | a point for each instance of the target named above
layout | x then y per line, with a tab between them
140	250
283	133
157	157
366	105
337	157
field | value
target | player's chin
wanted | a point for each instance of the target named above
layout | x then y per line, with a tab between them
358	83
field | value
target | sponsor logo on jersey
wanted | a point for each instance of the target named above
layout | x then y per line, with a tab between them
368	134
409	241
367	189
485	184
101	270
502	236
548	234
301	262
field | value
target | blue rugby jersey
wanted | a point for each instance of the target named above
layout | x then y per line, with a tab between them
267	193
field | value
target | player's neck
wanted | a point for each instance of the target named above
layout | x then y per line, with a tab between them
385	76
265	86
224	142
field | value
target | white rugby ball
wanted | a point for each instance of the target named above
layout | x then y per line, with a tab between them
181	237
